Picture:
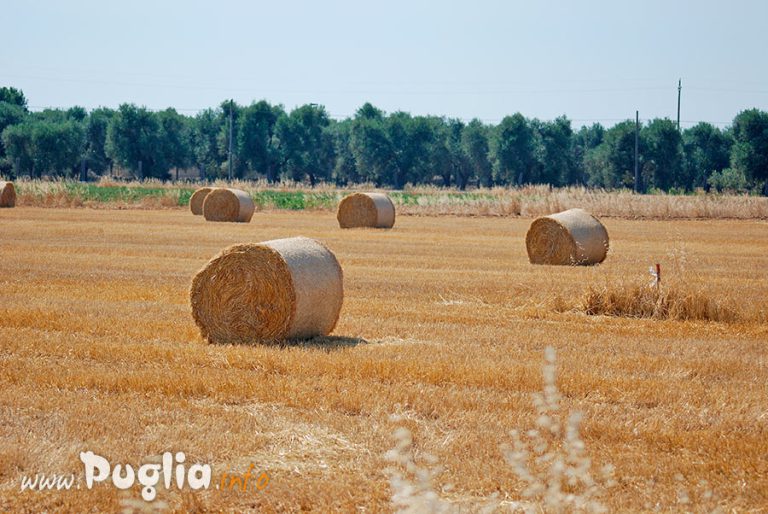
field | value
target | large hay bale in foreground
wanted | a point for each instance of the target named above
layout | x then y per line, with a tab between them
572	237
7	194
225	204
366	210
196	200
268	292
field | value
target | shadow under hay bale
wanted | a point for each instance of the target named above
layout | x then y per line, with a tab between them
268	292
374	210
7	194
225	204
327	343
572	237
196	200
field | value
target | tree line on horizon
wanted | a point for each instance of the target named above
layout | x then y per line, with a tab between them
389	150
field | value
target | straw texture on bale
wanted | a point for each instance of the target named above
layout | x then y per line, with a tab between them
572	237
268	292
224	204
196	201
7	194
366	210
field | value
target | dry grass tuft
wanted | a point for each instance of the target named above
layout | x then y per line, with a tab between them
675	301
550	460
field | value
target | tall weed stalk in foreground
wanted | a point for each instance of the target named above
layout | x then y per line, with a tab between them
550	460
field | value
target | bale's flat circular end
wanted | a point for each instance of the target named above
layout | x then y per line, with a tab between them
243	295
7	194
366	210
196	200
548	242
223	204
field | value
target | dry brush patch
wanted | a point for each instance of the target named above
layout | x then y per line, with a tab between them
526	201
444	323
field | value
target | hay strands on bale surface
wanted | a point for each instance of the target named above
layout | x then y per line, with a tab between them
226	204
268	292
374	210
196	200
572	237
7	194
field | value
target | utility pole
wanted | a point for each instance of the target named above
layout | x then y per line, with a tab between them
230	139
679	88
637	147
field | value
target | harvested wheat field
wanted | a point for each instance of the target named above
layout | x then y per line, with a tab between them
442	332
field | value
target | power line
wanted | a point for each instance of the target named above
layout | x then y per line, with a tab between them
342	117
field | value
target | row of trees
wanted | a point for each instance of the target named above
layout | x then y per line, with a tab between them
391	150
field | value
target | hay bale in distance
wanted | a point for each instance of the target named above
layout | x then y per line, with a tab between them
225	204
268	292
572	237
366	210
7	194
196	200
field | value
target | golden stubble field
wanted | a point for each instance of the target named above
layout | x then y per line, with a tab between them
444	323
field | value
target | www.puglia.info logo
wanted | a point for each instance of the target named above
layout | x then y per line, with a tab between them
172	471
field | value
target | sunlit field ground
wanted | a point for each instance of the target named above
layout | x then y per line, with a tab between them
444	323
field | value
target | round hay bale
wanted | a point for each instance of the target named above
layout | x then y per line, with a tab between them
224	204
7	194
268	292
366	210
572	237
196	200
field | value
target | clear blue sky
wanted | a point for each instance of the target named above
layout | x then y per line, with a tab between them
590	60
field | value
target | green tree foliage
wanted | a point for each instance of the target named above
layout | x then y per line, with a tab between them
390	150
583	144
707	150
230	108
750	149
308	146
206	154
257	142
174	139
57	147
555	160
13	96
611	164
134	136
345	170
513	150
474	142
409	148
10	114
17	140
370	145
45	147
662	155
96	139
461	165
